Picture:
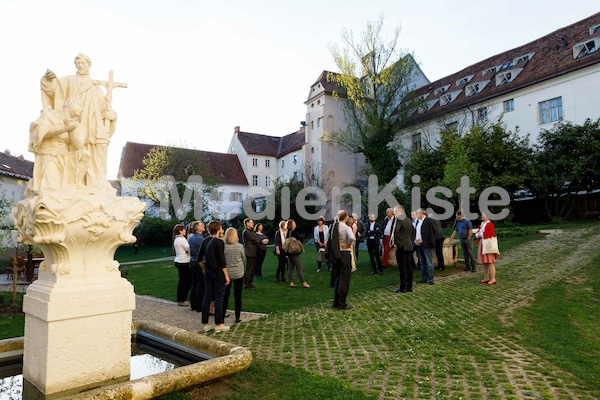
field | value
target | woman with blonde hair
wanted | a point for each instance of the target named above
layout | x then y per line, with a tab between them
235	257
294	259
280	236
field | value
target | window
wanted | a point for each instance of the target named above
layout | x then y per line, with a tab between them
312	150
423	97
319	121
268	181
318	102
452	126
215	195
509	105
581	50
523	58
442	89
445	99
472	89
312	124
551	110
482	114
295	158
506	66
594	29
282	163
463	80
235	196
416	142
489	71
268	163
255	162
254	180
503	78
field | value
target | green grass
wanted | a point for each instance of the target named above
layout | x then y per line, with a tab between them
268	380
11	325
562	324
127	253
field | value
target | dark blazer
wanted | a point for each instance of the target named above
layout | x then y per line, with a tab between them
437	226
375	233
360	231
333	252
404	234
278	241
250	243
428	233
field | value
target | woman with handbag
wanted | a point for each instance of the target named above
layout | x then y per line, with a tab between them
487	252
280	236
293	248
321	233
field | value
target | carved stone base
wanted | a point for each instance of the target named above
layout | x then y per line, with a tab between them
78	312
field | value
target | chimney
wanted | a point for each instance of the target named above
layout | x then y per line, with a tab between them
236	130
7	152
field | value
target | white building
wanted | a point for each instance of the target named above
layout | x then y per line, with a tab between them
532	87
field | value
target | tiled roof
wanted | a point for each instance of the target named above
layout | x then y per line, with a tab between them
16	167
552	57
223	168
274	146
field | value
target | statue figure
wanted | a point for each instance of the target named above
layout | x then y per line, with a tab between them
95	122
57	139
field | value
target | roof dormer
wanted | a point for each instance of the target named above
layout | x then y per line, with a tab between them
595	29
491	70
524	58
504	77
442	89
586	48
464	80
475	88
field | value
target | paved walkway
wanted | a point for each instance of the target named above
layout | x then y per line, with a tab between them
430	344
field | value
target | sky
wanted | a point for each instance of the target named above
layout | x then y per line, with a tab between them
195	69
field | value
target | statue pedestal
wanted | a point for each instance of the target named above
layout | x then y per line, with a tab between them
78	312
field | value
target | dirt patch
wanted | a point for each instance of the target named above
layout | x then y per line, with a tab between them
507	313
9	309
211	391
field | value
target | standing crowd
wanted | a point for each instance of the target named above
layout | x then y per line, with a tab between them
210	261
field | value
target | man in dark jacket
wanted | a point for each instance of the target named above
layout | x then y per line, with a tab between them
251	247
373	235
439	242
402	240
425	241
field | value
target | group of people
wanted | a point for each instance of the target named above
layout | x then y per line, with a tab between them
210	263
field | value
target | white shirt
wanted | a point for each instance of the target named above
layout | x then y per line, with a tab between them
419	235
346	235
388	227
182	250
371	226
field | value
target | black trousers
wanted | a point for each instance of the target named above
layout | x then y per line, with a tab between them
197	290
249	275
373	248
439	247
214	289
281	265
185	281
405	268
259	262
342	282
237	296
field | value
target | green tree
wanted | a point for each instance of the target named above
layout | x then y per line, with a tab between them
179	163
374	86
567	163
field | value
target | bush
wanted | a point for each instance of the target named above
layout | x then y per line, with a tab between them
154	231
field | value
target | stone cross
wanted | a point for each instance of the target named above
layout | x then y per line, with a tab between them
109	85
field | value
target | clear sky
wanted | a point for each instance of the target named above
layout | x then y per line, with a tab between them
197	69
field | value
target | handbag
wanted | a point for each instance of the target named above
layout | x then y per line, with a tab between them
490	246
293	246
321	255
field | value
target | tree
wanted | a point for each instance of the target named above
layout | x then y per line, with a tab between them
374	86
567	163
179	163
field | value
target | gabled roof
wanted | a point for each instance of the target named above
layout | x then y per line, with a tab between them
552	56
328	87
223	168
274	146
16	167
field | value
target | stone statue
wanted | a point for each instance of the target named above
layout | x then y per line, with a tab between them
79	137
79	307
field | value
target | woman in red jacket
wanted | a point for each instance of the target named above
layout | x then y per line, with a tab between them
486	231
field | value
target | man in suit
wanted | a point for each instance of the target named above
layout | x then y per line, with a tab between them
251	247
373	235
439	242
403	239
425	241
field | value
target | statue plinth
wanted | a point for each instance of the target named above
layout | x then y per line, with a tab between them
78	312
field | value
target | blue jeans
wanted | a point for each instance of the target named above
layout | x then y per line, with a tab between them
425	263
